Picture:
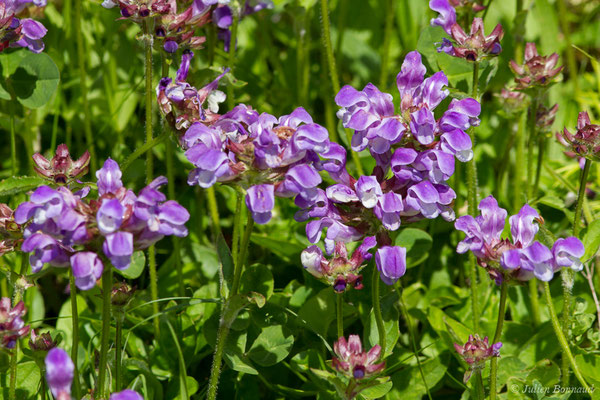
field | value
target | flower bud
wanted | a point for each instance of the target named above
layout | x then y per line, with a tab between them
61	168
476	352
537	71
42	342
121	294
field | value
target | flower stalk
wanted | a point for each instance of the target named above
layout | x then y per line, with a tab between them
225	324
106	291
377	312
75	333
339	301
561	337
499	324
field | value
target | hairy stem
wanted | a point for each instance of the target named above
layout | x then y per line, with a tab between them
87	127
13	143
519	161
535	302
339	301
224	325
561	337
499	324
387	38
75	333
571	61
13	372
580	196
377	312
480	390
106	289
472	207
530	145
118	345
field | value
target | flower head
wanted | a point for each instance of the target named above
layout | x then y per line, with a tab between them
353	362
474	46
537	71
59	373
586	140
42	342
61	169
12	326
20	32
521	258
476	352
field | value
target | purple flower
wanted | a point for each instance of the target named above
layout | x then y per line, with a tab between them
126	394
341	193
388	210
109	177
457	143
118	247
110	216
447	16
368	191
59	373
391	263
12	326
567	253
534	260
260	200
45	249
522	228
353	362
476	352
87	269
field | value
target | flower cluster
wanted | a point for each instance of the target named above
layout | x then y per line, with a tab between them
414	156
42	342
61	169
353	362
340	271
473	47
537	71
182	104
60	372
11	234
62	227
476	352
12	326
20	32
522	258
267	155
586	140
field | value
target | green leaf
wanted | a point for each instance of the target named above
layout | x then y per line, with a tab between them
380	389
135	269
390	323
28	380
546	372
271	346
319	311
258	278
408	383
417	243
235	353
12	186
591	240
35	80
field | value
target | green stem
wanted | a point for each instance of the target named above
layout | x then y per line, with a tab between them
472	208
567	274
538	168
213	210
106	290
580	196
171	192
339	301
520	161
142	149
87	127
224	325
499	324
237	218
479	385
535	302
242	254
387	38
75	333
377	312
232	48
118	346
561	337
530	142
13	372
564	25
154	289
335	81
13	143
411	334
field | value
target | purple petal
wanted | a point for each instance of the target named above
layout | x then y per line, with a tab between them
391	263
260	200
